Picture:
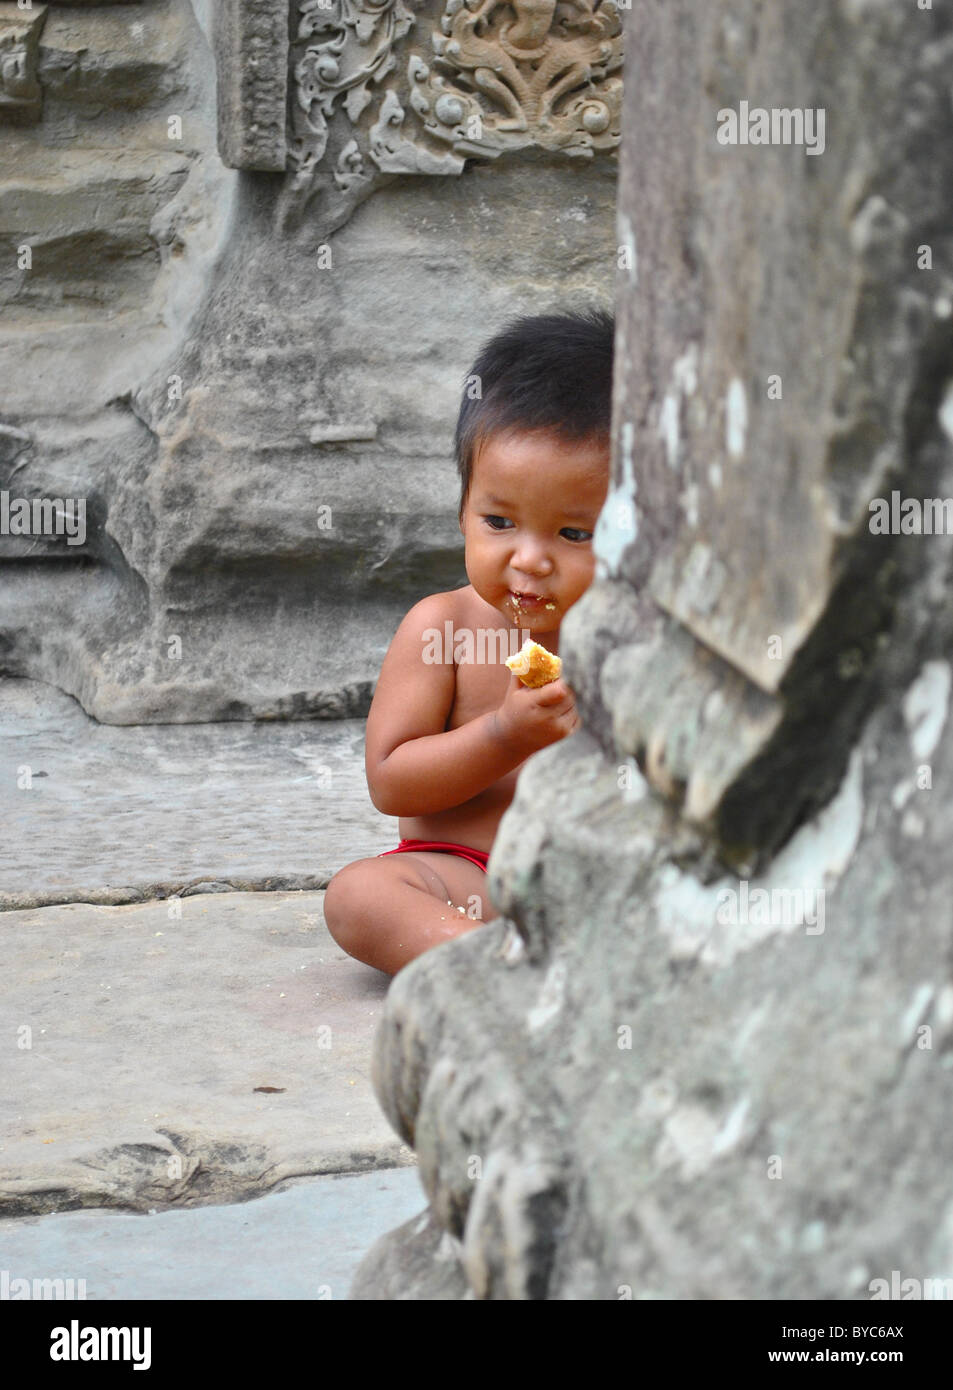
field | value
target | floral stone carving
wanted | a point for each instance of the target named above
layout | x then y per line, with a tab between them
523	72
492	76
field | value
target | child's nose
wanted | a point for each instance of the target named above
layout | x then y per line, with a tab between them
532	557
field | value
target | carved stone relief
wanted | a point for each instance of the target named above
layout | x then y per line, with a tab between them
413	86
490	76
347	47
541	78
20	94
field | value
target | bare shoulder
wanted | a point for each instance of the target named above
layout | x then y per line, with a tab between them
432	612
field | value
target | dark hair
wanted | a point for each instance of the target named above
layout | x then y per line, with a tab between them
540	372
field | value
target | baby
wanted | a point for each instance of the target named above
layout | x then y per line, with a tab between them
450	726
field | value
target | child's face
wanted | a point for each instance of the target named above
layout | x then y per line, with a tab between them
528	522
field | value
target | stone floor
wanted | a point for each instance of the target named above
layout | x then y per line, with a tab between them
194	1046
303	1242
183	1059
96	812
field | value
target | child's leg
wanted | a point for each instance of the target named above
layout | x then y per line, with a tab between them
388	911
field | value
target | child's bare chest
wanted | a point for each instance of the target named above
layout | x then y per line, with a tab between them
479	689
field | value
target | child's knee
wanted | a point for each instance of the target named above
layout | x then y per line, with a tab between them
337	896
345	902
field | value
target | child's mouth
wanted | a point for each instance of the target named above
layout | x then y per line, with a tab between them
531	602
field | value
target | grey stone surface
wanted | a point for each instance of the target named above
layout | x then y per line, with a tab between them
251	381
121	201
707	1052
113	815
303	1241
419	1260
176	1054
115	58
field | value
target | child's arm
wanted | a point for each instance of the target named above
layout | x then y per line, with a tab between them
415	767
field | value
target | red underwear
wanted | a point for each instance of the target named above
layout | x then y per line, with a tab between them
475	856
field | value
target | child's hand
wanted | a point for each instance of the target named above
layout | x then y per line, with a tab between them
529	720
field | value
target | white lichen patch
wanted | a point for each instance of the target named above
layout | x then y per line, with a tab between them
736	418
793	889
915	1013
875	224
693	1138
813	1237
634	787
450	1249
684	383
627	244
687	1140
925	707
685	911
902	793
733	1127
658	1099
512	947
685	371
713	707
668	428
943	1013
702	580
688	501
823	848
551	999
618	523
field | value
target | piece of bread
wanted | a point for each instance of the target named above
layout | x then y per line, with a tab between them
534	665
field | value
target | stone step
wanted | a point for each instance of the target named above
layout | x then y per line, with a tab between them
121	56
88	222
303	1242
166	1060
49	193
116	813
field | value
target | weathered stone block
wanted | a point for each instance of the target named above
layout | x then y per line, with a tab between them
707	1051
20	96
91	58
251	52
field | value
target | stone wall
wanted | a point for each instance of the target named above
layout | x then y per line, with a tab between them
252	377
708	1051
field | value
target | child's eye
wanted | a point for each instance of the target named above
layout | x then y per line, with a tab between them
492	520
572	533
